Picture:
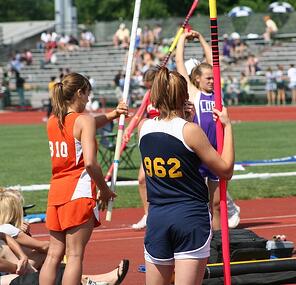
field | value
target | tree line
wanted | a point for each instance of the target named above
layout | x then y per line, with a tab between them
90	11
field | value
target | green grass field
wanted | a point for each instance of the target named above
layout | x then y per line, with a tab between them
25	160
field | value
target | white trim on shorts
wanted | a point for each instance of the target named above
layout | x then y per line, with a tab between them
200	253
154	260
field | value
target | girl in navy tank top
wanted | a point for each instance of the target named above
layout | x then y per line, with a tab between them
178	232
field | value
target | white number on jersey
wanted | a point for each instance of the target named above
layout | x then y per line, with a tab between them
58	149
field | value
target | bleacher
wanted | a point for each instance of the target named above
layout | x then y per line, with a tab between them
283	52
103	61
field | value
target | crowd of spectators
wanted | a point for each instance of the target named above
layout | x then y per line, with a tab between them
51	42
277	82
150	50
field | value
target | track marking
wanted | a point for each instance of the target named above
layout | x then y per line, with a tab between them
114	239
271	217
97	231
272	227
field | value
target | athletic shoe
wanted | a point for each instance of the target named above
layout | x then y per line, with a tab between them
140	224
234	219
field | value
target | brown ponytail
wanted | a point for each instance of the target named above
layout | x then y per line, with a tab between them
169	92
63	94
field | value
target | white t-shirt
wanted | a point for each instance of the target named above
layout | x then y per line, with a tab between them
292	74
9	230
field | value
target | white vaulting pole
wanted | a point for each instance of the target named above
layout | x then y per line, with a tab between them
125	97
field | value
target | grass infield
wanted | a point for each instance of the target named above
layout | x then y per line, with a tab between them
25	160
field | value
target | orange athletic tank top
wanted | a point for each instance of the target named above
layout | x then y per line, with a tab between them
70	179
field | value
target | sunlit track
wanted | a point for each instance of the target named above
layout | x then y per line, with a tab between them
116	240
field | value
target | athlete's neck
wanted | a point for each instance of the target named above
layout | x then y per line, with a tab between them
207	92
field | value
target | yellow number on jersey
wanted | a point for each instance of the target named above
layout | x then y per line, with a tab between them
148	166
157	167
173	171
159	170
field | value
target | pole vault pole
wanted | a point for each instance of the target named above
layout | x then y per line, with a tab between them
220	135
125	98
135	120
179	33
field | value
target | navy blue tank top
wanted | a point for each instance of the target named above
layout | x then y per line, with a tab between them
171	167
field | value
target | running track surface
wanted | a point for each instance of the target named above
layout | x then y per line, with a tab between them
116	240
241	113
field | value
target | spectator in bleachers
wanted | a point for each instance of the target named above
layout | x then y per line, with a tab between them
138	43
121	36
87	39
239	49
292	82
161	49
15	64
50	56
148	61
244	87
270	29
62	42
270	86
20	82
147	38
73	43
280	85
232	90
27	56
157	33
44	38
49	39
6	89
117	84
227	49
61	74
252	65
67	71
138	58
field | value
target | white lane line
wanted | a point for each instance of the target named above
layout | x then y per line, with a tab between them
272	227
267	218
97	231
114	239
